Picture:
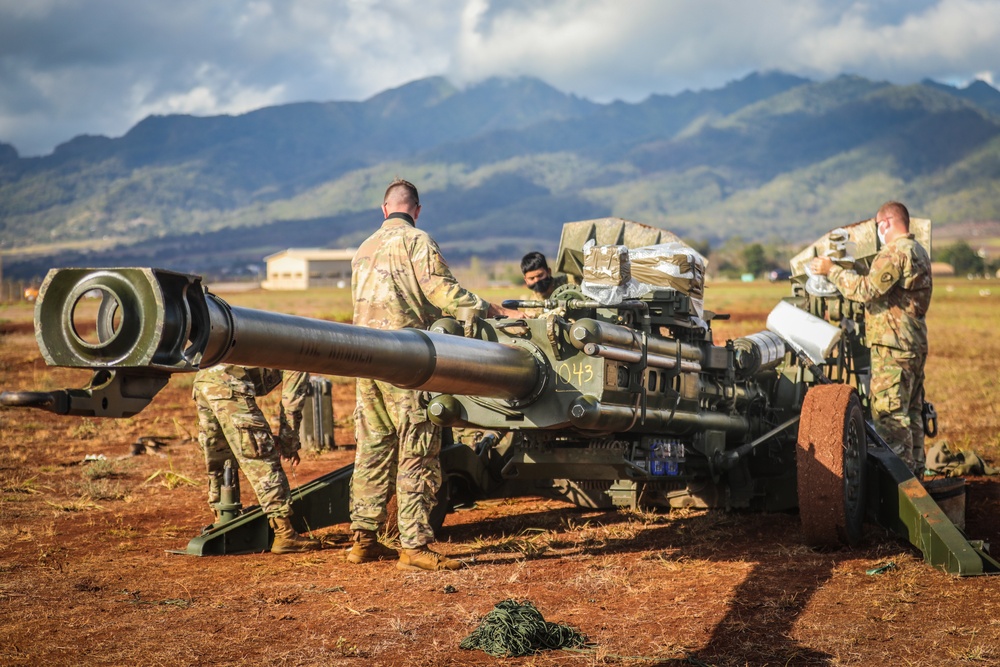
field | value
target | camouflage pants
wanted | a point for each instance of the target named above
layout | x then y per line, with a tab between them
231	427
398	449
897	401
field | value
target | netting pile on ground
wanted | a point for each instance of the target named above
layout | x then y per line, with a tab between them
516	629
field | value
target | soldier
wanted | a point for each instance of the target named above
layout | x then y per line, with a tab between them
897	293
231	427
400	280
538	276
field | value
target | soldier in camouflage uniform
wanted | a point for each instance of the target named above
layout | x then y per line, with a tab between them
538	276
399	279
896	293
539	279
232	428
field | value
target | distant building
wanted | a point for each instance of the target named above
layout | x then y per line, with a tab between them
302	268
942	269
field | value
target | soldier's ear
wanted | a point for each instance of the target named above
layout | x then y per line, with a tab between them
416	213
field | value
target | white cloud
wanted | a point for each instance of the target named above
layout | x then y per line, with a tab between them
948	37
982	76
98	66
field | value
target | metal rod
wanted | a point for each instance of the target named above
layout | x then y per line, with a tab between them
586	331
634	356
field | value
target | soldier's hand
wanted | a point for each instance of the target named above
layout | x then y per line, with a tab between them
293	459
500	311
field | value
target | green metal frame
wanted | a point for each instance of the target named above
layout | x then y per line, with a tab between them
320	503
898	502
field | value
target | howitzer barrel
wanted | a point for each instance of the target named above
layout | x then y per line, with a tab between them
165	321
409	358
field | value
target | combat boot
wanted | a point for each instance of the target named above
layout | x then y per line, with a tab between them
286	540
367	548
425	559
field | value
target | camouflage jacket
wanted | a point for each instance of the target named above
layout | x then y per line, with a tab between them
401	280
896	293
232	379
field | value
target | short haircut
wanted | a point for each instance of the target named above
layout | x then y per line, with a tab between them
898	210
403	192
533	261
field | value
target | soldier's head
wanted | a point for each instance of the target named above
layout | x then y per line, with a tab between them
401	197
536	272
891	221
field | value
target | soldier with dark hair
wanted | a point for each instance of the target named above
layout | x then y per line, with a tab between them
231	427
538	276
896	292
399	279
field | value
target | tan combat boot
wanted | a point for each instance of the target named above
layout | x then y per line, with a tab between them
425	559
367	548
286	540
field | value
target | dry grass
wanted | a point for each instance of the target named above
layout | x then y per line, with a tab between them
170	479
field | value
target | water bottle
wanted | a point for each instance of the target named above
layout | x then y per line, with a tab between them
656	462
674	456
670	457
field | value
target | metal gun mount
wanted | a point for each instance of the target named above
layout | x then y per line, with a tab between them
624	404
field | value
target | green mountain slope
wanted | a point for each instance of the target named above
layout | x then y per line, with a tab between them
501	165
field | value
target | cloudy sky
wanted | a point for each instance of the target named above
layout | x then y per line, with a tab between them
70	67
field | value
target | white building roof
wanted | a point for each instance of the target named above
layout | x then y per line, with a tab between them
315	254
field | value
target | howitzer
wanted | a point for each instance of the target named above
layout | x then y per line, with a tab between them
620	400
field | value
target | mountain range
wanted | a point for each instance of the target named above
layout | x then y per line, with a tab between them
501	165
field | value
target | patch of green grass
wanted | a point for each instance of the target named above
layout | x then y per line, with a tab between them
103	469
85	429
103	489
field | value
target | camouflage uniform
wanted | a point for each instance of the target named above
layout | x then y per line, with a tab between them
231	427
399	280
896	293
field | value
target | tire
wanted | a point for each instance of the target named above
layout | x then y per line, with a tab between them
831	457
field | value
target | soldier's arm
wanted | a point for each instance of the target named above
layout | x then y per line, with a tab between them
883	274
437	282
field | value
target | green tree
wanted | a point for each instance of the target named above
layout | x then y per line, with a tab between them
962	258
754	259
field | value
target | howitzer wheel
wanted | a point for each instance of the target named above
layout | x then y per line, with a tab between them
830	455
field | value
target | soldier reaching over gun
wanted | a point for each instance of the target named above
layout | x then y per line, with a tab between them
896	292
232	429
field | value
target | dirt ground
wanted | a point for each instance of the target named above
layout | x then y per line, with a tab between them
87	575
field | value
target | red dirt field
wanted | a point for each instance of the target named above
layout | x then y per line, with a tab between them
87	577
